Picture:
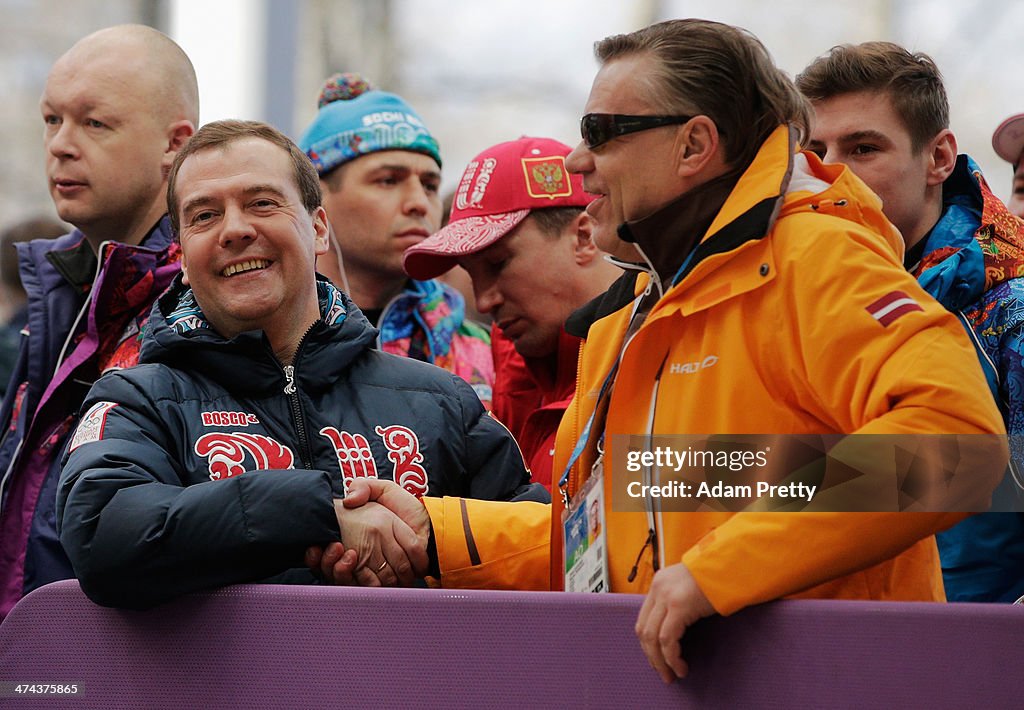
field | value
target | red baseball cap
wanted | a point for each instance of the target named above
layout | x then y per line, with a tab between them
497	191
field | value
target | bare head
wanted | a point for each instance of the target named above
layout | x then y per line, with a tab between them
116	107
882	110
714	96
246	201
721	71
165	80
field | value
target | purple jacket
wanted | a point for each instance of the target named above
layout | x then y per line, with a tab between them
74	333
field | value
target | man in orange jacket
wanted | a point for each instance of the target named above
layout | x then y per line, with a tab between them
774	302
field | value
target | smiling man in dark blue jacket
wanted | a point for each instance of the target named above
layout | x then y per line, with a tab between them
224	456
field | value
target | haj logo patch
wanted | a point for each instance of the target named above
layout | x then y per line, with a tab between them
891	306
404	451
547	177
91	427
355	459
226	453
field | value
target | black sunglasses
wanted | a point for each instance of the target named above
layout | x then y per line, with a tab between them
599	128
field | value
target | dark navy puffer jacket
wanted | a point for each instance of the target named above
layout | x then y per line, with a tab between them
213	464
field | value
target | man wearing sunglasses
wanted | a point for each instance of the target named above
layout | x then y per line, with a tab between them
773	302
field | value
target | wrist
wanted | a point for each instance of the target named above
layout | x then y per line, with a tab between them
339	508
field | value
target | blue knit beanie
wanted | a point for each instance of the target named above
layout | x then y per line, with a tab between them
356	119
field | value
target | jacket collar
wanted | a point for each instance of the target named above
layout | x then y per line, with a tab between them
734	211
180	336
621	293
431	308
77	263
556	373
667	236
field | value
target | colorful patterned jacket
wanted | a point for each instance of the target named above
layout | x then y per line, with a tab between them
74	333
427	322
973	264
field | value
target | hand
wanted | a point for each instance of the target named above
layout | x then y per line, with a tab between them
673	603
381	540
393	497
333	564
403	504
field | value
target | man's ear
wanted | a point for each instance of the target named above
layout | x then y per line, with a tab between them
942	152
697	146
584	249
184	269
321	230
178	134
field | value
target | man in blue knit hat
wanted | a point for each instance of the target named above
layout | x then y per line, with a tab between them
380	170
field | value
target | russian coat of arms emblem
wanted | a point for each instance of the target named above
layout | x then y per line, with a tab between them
547	177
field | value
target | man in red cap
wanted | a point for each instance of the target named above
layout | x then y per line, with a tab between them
1008	143
518	227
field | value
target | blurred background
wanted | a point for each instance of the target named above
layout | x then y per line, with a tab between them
479	72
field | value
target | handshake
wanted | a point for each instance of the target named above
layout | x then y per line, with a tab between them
384	536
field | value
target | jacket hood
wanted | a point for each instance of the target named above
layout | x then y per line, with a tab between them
976	244
805	185
837	191
179	335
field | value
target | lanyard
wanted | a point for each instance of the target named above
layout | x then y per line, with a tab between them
584	439
581	443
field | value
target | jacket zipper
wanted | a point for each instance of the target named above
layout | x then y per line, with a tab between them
653	539
573	483
297	418
570	486
654	521
292	392
60	361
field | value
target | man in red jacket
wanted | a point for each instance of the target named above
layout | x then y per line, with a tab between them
518	227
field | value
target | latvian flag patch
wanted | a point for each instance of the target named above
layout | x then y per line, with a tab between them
891	306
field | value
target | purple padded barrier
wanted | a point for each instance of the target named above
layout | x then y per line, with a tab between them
273	646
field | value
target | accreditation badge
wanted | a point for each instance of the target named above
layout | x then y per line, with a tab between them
584	537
